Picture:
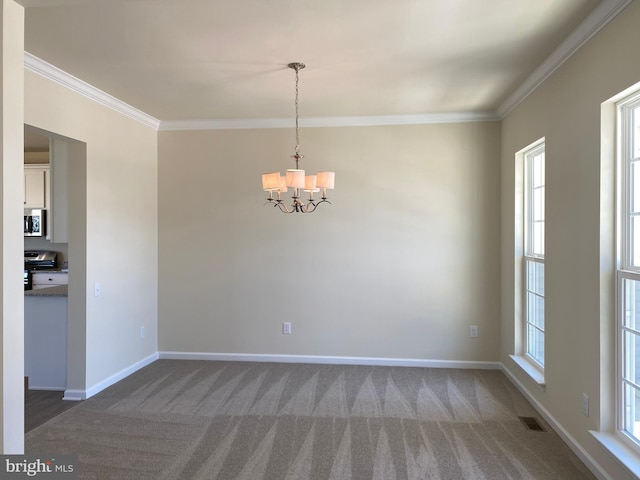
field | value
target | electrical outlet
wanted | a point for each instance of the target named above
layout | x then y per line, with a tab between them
286	328
473	331
585	404
97	289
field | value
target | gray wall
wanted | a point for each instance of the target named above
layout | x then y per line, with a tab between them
580	324
112	230
400	266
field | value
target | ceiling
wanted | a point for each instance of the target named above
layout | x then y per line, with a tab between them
181	60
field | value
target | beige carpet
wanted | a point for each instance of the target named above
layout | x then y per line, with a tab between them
254	421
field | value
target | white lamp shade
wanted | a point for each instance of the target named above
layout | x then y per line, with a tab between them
283	183
326	180
295	178
310	183
271	181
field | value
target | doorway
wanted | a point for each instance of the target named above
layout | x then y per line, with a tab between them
67	160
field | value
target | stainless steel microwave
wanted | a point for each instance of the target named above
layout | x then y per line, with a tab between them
34	222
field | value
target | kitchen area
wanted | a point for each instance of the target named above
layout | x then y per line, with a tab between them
46	270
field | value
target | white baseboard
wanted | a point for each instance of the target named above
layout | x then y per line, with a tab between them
77	395
98	387
74	395
321	359
48	389
587	459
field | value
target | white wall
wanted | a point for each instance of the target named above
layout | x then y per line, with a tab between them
400	266
566	110
12	194
119	223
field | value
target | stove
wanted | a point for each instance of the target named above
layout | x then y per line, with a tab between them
37	260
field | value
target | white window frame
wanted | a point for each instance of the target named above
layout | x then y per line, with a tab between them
626	271
522	255
531	257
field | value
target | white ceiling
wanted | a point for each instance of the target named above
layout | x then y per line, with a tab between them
180	60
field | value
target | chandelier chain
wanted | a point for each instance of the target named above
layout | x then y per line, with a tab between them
297	132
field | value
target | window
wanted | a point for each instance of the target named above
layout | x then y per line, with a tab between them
628	274
534	199
529	251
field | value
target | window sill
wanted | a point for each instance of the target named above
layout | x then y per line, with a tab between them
620	451
535	373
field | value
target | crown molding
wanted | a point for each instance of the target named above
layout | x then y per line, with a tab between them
53	73
606	11
595	21
363	121
56	75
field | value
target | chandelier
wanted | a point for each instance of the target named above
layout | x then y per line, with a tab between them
295	178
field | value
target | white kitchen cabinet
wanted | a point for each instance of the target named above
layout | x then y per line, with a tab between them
36	186
44	279
46	186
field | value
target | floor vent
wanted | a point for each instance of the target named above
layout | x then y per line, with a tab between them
532	424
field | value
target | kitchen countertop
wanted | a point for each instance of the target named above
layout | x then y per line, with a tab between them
55	291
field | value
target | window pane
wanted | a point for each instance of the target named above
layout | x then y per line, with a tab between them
538	204
535	310
631	357
636	133
535	201
631	404
535	344
634	241
531	308
537	170
535	277
631	364
631	304
537	238
635	187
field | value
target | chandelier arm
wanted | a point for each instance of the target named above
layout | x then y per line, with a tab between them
322	201
283	208
278	203
308	209
297	206
315	204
